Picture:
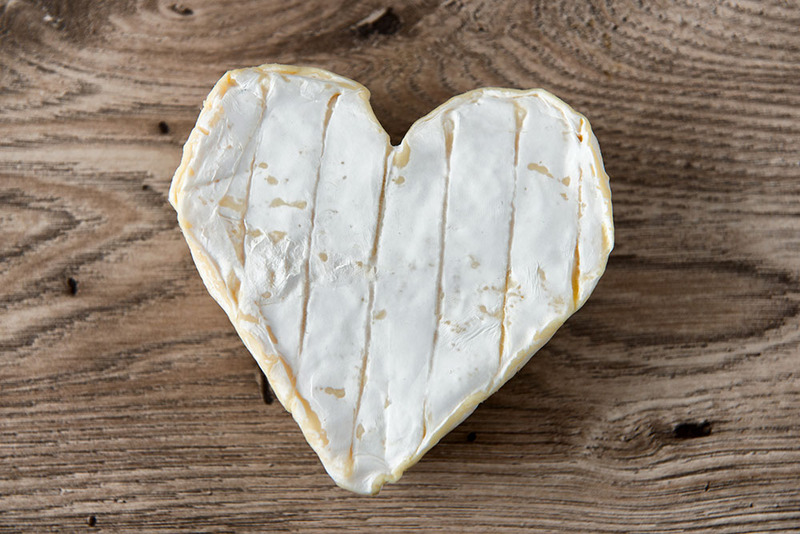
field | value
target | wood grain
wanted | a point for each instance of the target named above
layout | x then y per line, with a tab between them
669	403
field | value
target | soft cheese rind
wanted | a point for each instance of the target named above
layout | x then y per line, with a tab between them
387	291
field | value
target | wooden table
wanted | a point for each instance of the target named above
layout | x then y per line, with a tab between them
671	402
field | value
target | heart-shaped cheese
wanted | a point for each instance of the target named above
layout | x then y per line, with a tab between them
387	291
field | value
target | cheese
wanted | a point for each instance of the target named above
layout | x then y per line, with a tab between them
386	291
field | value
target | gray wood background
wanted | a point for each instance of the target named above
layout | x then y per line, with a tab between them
669	403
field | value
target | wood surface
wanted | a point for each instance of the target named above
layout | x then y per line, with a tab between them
669	403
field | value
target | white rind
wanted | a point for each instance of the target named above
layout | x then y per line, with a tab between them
387	291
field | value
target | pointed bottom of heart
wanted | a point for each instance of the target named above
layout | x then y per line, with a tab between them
368	475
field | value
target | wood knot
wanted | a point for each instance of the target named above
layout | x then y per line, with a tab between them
381	21
72	284
692	430
182	10
163	127
91	521
472	436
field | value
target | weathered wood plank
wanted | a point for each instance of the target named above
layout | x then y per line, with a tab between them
671	402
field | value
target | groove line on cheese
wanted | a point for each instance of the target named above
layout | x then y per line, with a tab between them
307	270
371	315
519	117
249	186
576	269
397	287
449	132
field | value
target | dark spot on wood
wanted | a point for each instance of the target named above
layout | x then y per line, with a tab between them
163	127
692	430
382	21
73	285
472	436
91	521
145	187
708	485
263	386
182	10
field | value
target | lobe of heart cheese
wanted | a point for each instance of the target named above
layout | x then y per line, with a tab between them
387	291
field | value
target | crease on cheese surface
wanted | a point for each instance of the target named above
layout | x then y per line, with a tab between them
387	291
